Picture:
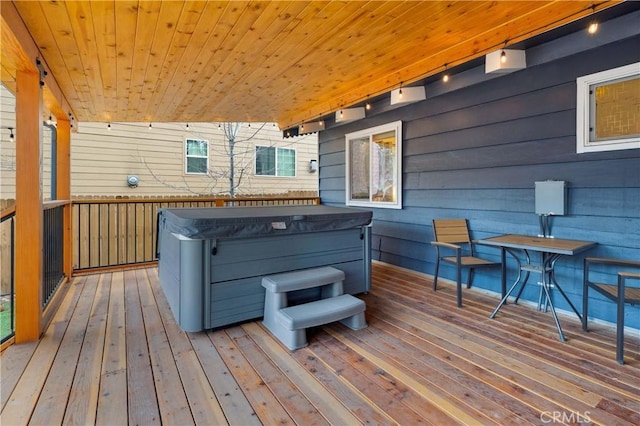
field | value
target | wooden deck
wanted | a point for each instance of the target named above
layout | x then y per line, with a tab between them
114	355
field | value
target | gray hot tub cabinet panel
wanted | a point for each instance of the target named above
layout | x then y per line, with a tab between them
181	278
236	258
213	282
228	306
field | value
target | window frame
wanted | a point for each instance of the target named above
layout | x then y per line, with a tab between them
275	168
187	156
396	127
585	110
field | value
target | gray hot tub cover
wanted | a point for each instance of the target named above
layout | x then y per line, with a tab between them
245	222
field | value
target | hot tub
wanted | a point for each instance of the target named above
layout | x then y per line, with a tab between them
211	260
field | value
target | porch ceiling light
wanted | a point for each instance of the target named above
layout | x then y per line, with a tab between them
311	127
505	61
406	95
349	114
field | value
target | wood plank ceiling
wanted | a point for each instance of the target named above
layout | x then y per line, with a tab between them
281	61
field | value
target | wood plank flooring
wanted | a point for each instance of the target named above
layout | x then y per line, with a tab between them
114	355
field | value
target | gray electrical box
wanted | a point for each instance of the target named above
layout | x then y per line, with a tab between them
551	198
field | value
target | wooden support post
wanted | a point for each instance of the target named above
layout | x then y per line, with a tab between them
63	188
29	213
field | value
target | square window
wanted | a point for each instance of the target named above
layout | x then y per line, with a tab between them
608	110
273	161
374	167
196	156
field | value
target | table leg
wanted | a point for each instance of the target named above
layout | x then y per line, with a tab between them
503	271
506	294
553	278
545	286
526	277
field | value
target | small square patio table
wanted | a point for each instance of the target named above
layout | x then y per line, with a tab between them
550	249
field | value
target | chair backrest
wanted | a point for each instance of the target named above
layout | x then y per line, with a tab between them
454	231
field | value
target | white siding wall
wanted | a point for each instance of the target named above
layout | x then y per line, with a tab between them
7	147
101	159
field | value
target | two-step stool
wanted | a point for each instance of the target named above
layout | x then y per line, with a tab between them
289	323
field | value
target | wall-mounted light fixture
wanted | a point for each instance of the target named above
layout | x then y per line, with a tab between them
445	76
406	95
133	181
593	26
349	114
311	127
11	135
505	61
313	166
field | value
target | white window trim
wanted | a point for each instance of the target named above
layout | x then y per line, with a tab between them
397	127
186	172
583	111
295	163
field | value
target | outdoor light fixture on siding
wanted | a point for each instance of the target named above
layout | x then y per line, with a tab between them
108	126
505	61
593	26
445	77
349	114
313	166
133	181
311	127
406	95
11	135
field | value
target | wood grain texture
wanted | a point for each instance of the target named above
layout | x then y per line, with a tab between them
260	61
419	361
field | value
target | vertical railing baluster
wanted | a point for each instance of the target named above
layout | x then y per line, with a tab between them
10	221
128	222
53	244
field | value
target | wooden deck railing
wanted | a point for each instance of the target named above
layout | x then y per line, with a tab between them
53	249
119	232
7	273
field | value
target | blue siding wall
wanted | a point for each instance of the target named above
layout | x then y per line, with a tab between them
476	152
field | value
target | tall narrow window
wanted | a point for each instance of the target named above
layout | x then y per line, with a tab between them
273	161
374	167
196	156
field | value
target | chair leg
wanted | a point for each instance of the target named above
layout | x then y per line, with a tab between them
585	298
459	283
469	277
620	322
435	275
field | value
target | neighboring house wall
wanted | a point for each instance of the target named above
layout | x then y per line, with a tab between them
8	151
475	152
7	146
101	159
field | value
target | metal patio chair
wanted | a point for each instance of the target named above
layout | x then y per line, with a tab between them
621	293
452	236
